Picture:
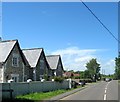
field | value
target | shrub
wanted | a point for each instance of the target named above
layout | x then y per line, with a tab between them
58	79
86	80
77	77
46	77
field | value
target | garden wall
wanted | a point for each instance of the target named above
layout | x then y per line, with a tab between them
26	88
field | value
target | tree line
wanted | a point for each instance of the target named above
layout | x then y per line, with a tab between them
93	70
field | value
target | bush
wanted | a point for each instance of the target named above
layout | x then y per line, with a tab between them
46	77
59	79
74	84
86	80
77	77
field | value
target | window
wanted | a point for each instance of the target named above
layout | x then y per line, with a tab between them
59	67
41	63
25	78
15	60
34	74
41	77
15	77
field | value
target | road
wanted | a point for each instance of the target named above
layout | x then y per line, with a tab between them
99	91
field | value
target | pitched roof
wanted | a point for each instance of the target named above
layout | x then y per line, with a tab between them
32	55
53	61
68	74
76	75
5	49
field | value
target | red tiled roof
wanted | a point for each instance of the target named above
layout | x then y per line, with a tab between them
76	75
68	74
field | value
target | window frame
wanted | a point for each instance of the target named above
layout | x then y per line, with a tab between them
42	63
15	60
15	77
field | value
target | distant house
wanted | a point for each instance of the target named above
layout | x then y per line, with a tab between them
76	75
12	64
55	64
71	74
38	64
68	74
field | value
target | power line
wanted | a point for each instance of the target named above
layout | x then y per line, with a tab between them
100	22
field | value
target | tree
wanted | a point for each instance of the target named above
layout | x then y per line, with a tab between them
71	71
87	74
117	68
77	72
94	69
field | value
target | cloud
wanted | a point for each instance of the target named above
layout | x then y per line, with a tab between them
74	58
108	67
75	51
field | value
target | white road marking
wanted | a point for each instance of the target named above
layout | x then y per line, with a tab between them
105	91
107	84
105	96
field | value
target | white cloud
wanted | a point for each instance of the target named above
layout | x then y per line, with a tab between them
108	67
74	58
74	51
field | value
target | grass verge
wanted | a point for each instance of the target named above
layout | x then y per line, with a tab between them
35	97
43	95
119	81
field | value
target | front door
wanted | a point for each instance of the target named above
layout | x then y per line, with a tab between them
15	77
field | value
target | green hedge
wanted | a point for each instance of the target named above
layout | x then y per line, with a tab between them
58	79
86	80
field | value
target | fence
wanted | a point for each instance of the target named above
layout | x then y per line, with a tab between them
26	88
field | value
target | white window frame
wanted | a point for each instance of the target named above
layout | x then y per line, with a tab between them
13	76
34	74
59	67
55	73
16	59
43	62
25	77
41	77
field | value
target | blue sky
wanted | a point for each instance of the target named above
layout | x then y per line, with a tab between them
65	28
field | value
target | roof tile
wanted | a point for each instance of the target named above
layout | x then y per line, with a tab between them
32	55
5	49
53	61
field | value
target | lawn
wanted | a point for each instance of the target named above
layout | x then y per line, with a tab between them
32	97
118	81
43	95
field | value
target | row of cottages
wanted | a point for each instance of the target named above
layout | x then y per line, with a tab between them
20	65
38	63
55	64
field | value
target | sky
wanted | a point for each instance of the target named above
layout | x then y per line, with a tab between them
59	0
65	28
